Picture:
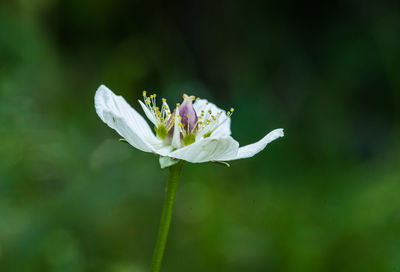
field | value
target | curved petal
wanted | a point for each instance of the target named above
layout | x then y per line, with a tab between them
209	149
149	115
176	136
224	129
252	149
119	115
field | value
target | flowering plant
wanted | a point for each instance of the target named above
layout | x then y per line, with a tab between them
195	131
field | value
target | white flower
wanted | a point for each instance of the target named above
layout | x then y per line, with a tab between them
194	132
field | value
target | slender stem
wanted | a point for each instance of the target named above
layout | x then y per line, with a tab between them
170	192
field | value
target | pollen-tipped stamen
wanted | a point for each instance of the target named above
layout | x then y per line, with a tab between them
211	122
160	116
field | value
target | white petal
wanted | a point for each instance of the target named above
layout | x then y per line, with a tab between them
209	149
116	112
163	149
201	104
149	115
224	129
176	137
252	149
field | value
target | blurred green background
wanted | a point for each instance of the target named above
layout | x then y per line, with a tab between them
323	198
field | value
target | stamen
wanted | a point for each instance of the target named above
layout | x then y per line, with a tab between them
161	116
211	121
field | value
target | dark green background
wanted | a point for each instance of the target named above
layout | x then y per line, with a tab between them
323	198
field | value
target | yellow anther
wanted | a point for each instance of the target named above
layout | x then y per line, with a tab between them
177	104
144	93
187	115
164	100
228	113
232	109
213	117
209	111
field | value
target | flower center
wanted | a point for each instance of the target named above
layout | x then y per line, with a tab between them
190	123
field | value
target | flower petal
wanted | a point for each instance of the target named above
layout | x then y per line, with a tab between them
163	149
252	149
209	149
176	136
149	115
224	129
119	115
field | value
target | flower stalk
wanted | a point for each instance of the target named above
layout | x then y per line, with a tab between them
170	193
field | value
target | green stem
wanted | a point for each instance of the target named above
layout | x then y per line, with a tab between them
170	192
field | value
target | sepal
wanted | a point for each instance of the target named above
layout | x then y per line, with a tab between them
167	161
222	163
